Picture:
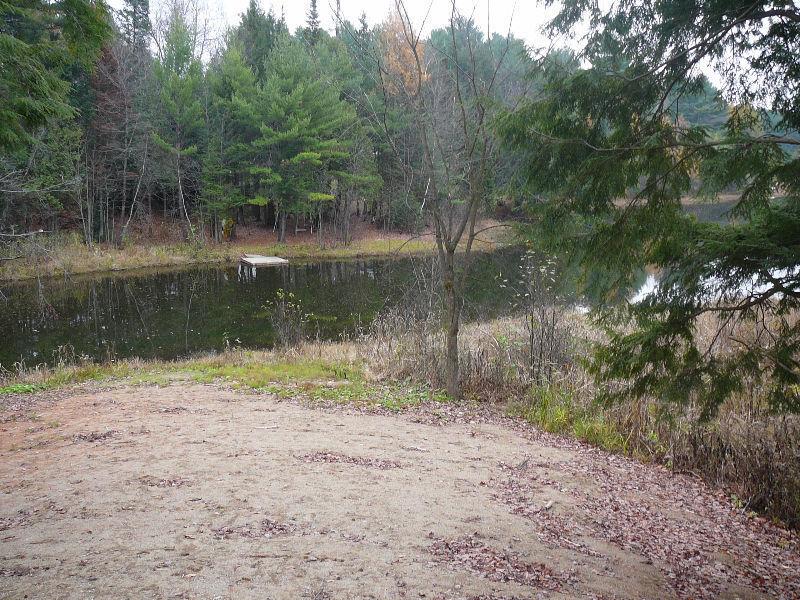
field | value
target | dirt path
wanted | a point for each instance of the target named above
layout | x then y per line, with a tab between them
191	491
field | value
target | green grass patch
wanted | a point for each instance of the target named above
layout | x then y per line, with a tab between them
70	375
242	371
395	398
350	393
22	388
555	410
87	372
281	391
317	380
398	399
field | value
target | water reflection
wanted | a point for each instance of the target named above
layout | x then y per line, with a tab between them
174	313
721	289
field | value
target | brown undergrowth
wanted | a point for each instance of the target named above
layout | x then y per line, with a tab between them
539	375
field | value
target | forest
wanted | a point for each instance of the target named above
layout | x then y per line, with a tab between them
163	116
157	117
423	305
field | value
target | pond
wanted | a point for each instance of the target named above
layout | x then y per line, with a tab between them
174	313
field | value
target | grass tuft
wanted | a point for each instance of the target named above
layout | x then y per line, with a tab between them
22	388
261	375
556	410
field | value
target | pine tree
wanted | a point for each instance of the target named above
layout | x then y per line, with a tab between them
256	35
233	126
363	25
180	113
304	119
606	150
312	22
134	22
41	48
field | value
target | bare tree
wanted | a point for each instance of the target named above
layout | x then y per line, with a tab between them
448	93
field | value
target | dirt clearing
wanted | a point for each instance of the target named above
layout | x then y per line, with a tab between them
197	491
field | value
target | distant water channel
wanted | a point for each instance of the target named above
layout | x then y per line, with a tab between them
173	313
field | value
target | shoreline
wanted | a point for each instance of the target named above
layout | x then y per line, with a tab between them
70	258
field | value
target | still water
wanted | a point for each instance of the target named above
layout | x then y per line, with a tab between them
169	314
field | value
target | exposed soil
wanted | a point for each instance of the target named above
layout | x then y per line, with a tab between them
192	491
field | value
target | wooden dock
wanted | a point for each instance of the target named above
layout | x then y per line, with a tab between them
257	260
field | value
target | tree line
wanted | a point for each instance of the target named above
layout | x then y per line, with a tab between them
111	118
119	116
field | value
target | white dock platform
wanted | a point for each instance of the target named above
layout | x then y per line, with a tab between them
257	260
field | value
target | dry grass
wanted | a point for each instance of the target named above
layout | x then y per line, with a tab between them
747	449
65	253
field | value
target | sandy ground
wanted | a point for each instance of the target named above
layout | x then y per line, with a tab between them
191	491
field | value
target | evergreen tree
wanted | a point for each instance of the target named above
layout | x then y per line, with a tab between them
607	147
256	35
41	44
233	126
134	23
301	135
363	26
312	22
180	112
47	50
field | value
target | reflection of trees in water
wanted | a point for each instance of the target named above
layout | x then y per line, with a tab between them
173	313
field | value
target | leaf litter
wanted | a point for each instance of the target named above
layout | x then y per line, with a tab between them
335	457
95	436
265	529
693	535
470	553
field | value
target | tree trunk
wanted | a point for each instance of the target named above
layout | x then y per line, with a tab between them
282	227
451	325
181	199
124	233
320	239
124	196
